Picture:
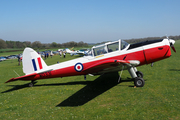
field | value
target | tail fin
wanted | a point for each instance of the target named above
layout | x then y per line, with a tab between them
32	61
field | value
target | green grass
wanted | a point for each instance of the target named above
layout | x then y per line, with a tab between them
99	97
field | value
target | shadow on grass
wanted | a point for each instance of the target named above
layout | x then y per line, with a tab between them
84	95
17	87
174	69
92	90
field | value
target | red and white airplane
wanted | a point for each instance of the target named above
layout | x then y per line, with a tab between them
105	58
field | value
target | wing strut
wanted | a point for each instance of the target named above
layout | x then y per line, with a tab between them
120	74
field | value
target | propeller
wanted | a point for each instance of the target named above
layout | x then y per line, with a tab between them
171	42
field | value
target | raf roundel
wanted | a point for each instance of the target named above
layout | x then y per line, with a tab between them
78	67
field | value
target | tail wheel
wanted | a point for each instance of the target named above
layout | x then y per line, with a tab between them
139	74
139	82
31	84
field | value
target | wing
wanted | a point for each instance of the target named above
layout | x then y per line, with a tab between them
78	53
110	66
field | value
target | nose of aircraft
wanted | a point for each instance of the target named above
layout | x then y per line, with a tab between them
172	44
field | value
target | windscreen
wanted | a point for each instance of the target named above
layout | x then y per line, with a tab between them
123	44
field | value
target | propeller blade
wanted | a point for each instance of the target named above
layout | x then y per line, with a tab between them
172	46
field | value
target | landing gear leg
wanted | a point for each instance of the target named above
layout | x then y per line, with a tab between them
132	72
137	75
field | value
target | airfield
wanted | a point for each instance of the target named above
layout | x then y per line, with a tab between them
97	97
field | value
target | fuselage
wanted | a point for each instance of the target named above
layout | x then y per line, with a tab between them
144	52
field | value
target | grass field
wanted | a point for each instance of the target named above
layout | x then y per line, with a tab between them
98	97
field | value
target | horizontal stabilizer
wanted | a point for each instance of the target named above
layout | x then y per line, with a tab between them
43	71
25	77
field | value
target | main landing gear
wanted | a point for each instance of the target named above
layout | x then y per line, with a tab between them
139	82
137	76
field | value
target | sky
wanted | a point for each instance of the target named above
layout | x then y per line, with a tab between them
90	21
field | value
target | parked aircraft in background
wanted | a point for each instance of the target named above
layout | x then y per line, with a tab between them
80	52
2	58
105	58
70	51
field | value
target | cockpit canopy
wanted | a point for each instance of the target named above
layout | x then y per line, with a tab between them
107	48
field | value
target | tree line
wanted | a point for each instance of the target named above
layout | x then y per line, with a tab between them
131	41
17	44
37	44
152	38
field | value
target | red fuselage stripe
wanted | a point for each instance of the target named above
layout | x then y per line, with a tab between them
39	62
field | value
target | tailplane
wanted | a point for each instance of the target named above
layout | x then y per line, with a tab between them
32	62
68	50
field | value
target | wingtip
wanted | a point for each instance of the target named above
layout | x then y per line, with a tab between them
12	79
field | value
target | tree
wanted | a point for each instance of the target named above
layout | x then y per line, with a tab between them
2	44
36	44
71	44
80	44
11	44
27	44
20	44
54	44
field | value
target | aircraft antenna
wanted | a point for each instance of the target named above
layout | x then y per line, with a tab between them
16	73
121	74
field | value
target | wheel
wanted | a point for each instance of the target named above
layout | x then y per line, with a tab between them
139	74
31	84
139	82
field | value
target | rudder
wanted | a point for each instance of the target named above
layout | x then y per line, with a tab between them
32	61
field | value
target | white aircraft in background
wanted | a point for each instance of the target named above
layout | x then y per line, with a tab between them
80	52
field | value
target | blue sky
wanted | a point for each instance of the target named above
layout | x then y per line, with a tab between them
90	21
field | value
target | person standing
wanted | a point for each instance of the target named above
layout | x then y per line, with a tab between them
64	54
19	59
51	54
60	53
45	56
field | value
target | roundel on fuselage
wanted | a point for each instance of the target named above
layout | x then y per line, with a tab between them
78	67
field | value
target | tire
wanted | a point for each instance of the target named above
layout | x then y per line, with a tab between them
139	82
31	84
139	74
